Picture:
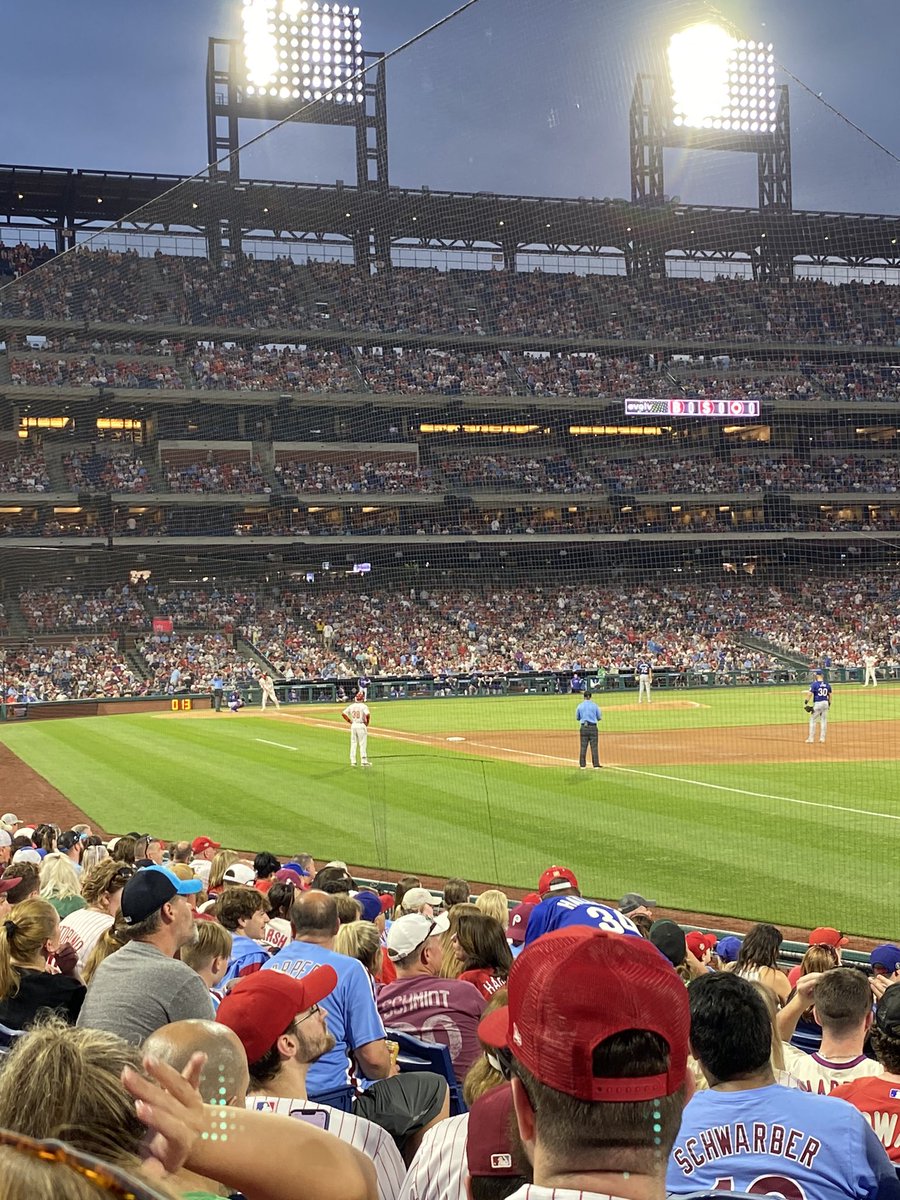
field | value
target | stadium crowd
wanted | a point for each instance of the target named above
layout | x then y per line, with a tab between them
215	477
84	668
49	371
431	372
190	661
357	475
272	368
117	468
25	471
66	607
173	989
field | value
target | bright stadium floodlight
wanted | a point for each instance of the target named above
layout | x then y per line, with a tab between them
720	82
303	50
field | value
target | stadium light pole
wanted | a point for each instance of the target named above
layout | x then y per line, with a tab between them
718	93
302	61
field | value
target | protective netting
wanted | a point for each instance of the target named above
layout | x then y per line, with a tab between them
381	431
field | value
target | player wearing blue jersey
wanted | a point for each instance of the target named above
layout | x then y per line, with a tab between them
818	702
562	906
749	1134
644	672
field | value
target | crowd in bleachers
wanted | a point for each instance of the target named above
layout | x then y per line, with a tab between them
114	468
184	662
84	668
536	473
354	475
430	372
20	257
25	471
215	477
66	607
46	370
272	368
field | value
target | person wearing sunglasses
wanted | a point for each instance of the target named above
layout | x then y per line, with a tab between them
101	890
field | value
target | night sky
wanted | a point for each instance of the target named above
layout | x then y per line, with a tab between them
515	96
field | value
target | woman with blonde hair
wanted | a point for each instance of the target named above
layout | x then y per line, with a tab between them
29	937
222	860
101	890
362	941
450	964
108	943
60	884
496	904
93	856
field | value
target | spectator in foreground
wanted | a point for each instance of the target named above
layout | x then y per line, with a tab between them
598	1091
244	912
143	986
284	1030
445	1011
878	1096
405	1105
29	937
484	953
93	1107
101	889
842	1005
562	906
812	1147
494	1172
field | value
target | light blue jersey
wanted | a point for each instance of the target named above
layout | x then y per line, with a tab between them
777	1141
558	912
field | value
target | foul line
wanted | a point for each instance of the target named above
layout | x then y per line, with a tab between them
280	745
429	740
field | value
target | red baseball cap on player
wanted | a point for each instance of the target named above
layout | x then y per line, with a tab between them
554	1023
260	1008
360	696
556	879
826	936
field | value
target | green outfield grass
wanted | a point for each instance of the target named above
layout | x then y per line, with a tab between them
802	842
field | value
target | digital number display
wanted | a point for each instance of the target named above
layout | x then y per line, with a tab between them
692	408
183	705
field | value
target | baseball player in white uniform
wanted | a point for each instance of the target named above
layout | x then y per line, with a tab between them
267	687
356	714
869	661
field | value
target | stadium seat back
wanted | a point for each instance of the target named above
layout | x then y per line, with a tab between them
418	1055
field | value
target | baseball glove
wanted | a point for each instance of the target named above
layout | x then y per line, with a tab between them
808	707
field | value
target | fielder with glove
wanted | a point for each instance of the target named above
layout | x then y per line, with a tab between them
817	702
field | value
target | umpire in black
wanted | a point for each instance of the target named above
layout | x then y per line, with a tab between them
588	716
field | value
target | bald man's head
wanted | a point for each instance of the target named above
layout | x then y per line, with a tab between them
225	1077
314	915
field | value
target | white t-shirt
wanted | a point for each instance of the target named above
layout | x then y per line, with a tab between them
533	1191
364	1135
813	1073
278	933
83	930
357	712
438	1171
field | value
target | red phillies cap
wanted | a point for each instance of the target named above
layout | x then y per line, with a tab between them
260	1007
826	936
199	844
698	943
489	1152
531	898
556	879
518	923
554	1023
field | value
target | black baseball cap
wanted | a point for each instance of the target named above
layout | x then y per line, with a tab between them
148	890
669	940
887	1014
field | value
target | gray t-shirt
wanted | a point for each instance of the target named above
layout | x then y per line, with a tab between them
139	989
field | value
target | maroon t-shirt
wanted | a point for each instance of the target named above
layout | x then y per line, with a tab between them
437	1010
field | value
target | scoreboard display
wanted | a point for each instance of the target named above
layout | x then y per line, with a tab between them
692	408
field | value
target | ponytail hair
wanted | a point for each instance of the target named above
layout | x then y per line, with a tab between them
26	928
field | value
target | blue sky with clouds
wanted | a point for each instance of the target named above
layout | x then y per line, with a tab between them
520	96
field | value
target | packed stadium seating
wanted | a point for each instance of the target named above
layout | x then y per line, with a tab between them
24	471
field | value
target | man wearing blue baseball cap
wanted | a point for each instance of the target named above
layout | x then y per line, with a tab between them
143	986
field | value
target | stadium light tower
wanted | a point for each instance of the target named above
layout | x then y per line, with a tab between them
718	93
298	60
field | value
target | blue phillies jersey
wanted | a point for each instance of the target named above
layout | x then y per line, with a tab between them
778	1141
820	690
557	912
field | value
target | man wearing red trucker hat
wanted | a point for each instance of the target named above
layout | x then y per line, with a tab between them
562	906
596	1041
283	1030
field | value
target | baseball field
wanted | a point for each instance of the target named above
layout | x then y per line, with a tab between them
710	800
